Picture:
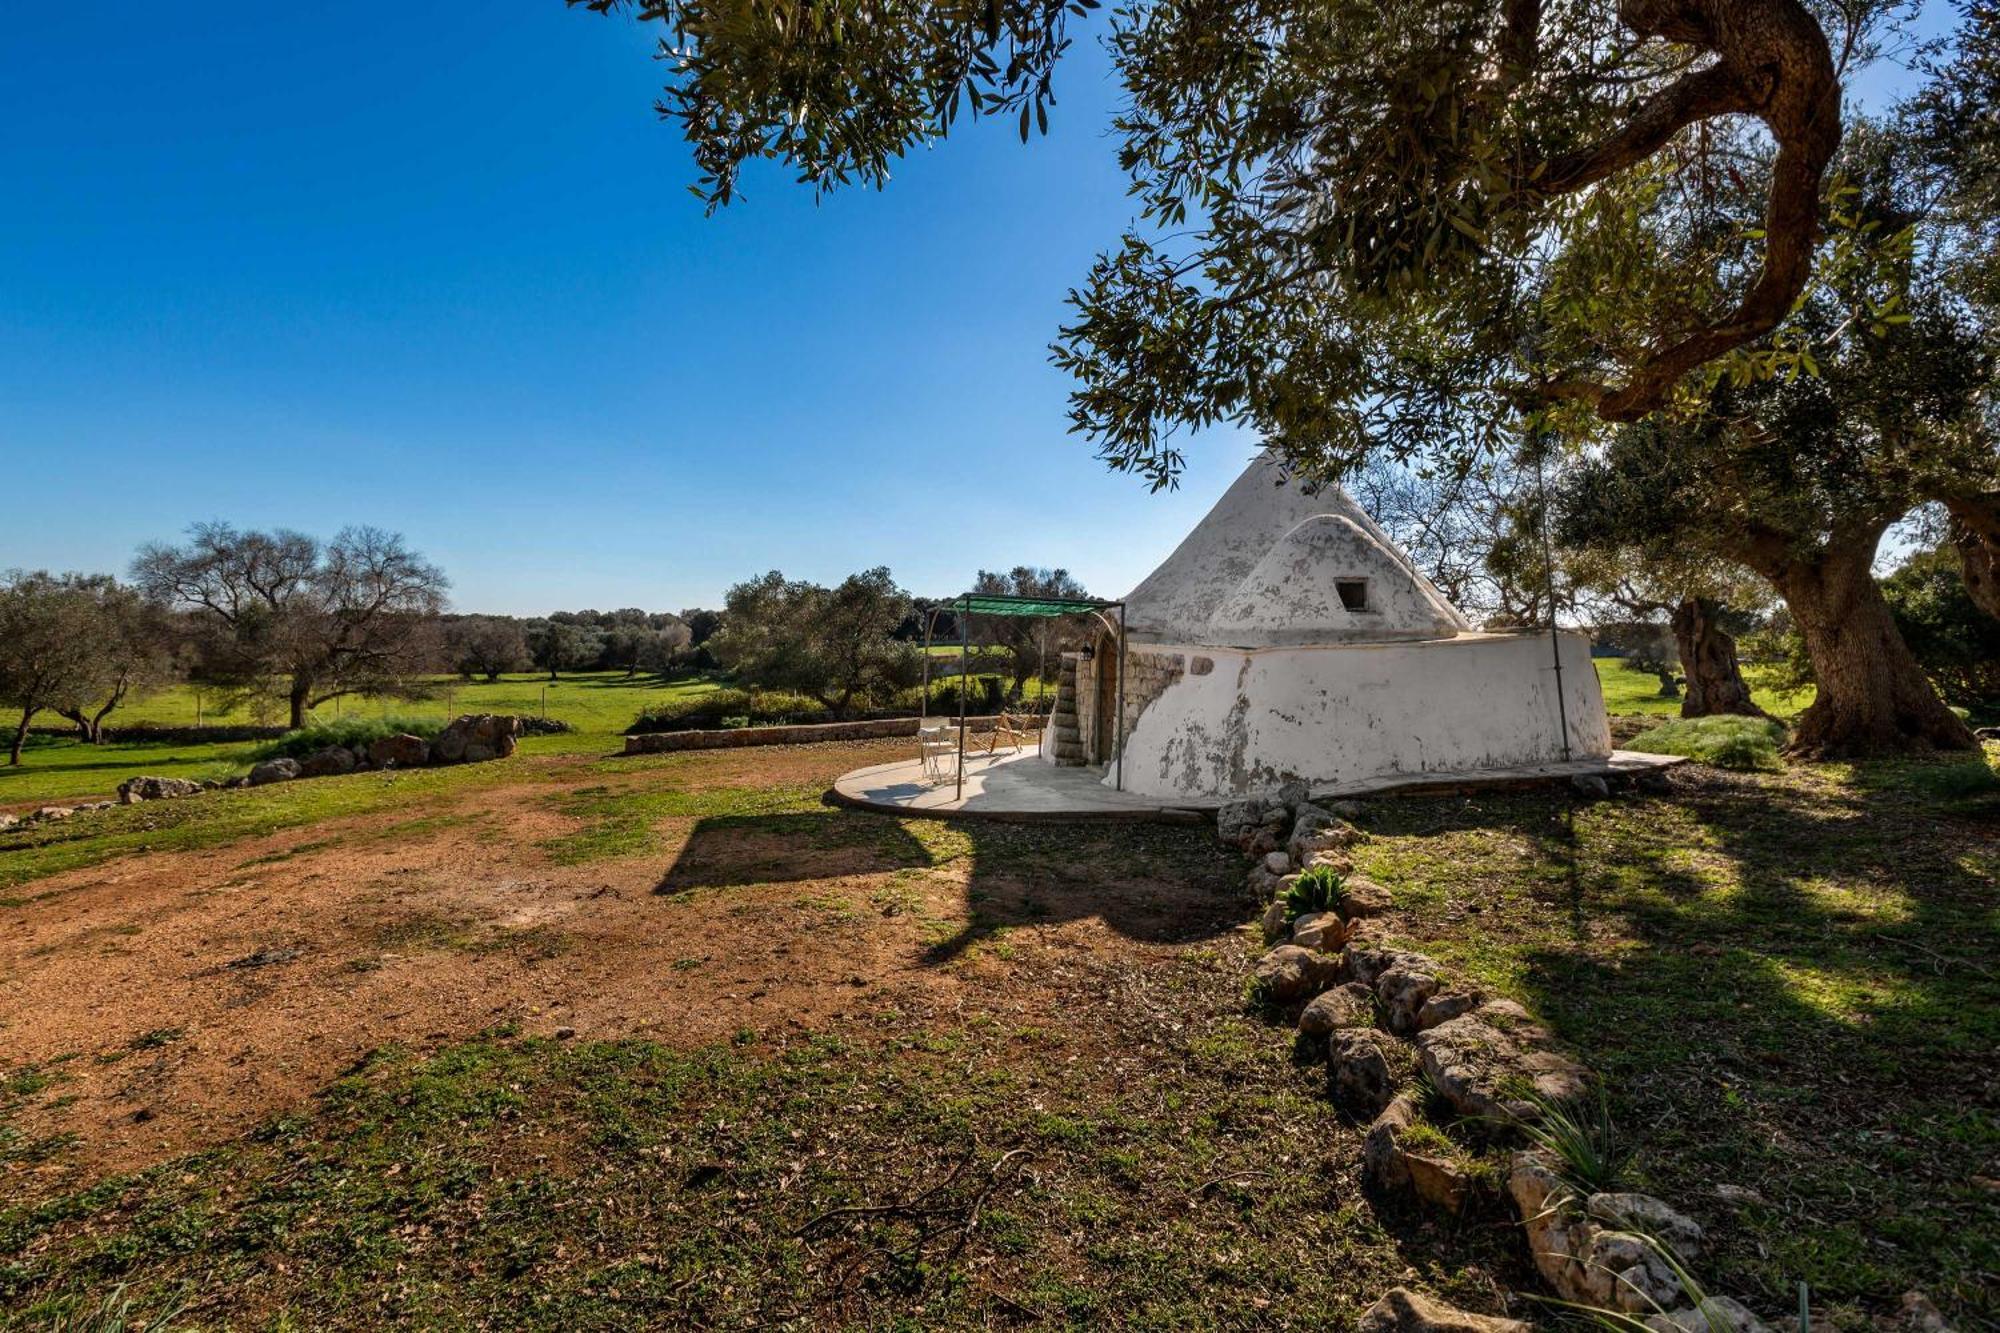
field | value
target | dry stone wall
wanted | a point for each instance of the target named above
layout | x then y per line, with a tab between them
1395	1031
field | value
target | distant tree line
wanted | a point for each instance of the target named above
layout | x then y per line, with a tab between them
628	640
288	622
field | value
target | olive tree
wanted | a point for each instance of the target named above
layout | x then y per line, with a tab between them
1352	213
1032	644
283	615
833	644
59	648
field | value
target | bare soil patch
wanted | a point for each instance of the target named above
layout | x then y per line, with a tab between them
190	996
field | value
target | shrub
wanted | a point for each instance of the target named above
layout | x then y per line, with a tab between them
1318	889
1724	741
356	733
722	709
1590	1156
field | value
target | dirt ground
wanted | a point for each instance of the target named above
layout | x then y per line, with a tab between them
195	995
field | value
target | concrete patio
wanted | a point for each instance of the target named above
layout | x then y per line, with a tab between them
1023	788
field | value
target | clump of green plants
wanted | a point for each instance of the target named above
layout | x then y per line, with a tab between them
1590	1155
729	708
1961	781
355	733
1724	741
1318	889
115	1312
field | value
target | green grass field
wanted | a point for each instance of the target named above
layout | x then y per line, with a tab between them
597	705
1629	691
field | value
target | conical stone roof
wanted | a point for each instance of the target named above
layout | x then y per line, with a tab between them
1265	568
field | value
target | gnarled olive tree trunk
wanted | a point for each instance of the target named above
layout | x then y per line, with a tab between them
1873	697
1708	660
1975	531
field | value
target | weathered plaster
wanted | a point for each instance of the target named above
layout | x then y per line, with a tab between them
1343	713
1259	570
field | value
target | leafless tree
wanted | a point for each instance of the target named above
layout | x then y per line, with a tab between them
285	616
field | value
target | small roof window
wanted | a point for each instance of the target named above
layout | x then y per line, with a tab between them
1353	594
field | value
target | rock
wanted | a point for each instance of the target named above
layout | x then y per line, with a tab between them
1367	965
1294	794
331	762
1403	990
1479	1065
1278	863
1736	1194
1340	863
1358	1072
475	738
1345	809
240	780
1405	1311
48	814
1649	1217
273	770
1581	1259
1349	1006
1383	1169
1715	1314
1447	1005
1239	821
1289	974
399	751
1318	833
1277	923
1361	897
134	790
8	821
1590	786
1324	931
1653	783
1919	1315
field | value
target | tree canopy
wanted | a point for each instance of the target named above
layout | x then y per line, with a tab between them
1365	225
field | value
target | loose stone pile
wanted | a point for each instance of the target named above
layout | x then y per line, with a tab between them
471	739
1377	1014
50	814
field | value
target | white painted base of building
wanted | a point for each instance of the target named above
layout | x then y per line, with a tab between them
1021	788
1231	722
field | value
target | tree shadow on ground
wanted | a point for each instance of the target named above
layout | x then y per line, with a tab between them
1156	883
1789	983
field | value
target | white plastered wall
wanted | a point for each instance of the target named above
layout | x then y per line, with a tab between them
1346	713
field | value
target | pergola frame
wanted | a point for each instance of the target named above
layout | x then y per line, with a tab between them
967	605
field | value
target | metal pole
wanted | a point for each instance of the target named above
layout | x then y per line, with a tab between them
1549	590
964	654
924	704
1121	697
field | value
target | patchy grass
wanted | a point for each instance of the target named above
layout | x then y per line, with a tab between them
1627	691
1726	742
1788	981
1786	977
900	1175
222	817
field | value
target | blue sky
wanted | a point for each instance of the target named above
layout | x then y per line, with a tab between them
434	267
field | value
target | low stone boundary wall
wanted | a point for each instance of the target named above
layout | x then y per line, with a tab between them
662	742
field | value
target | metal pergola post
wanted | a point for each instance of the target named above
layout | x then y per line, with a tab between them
1120	782
964	662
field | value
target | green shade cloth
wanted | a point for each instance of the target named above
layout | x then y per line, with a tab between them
996	605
